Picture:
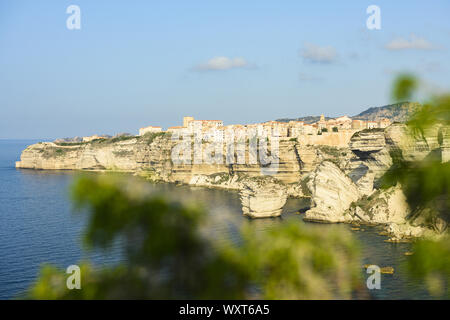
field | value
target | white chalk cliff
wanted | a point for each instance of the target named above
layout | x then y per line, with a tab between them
341	182
262	198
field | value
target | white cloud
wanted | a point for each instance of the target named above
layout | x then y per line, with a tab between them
316	54
222	63
414	42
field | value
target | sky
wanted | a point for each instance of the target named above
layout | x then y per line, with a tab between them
139	63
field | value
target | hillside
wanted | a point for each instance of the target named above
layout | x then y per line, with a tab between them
308	119
398	112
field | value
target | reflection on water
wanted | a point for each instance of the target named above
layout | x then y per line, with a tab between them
38	226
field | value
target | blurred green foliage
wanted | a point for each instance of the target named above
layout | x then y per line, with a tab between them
297	262
404	87
426	184
169	257
430	263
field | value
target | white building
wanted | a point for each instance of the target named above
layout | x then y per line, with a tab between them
343	122
148	129
179	129
372	124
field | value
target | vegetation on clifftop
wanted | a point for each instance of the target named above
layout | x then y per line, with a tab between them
50	152
149	137
371	130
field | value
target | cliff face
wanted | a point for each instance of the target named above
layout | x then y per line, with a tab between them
151	157
338	199
262	198
373	147
364	160
122	155
372	156
332	192
341	182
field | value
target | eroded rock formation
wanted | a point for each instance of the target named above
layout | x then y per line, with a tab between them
342	182
332	192
262	197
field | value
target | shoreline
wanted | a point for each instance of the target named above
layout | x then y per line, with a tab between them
341	182
235	190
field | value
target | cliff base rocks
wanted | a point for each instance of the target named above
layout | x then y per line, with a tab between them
262	198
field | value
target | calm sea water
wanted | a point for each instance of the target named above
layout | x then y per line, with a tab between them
38	226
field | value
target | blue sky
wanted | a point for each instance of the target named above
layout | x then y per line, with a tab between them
138	63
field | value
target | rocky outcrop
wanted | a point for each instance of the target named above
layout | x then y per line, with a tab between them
121	154
340	181
401	232
262	198
295	190
382	207
150	156
366	183
332	192
367	142
371	152
220	180
415	147
336	198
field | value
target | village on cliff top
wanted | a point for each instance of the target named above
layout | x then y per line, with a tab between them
334	132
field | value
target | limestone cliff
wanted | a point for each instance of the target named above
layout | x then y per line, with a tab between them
332	192
262	198
150	156
341	182
124	154
336	198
